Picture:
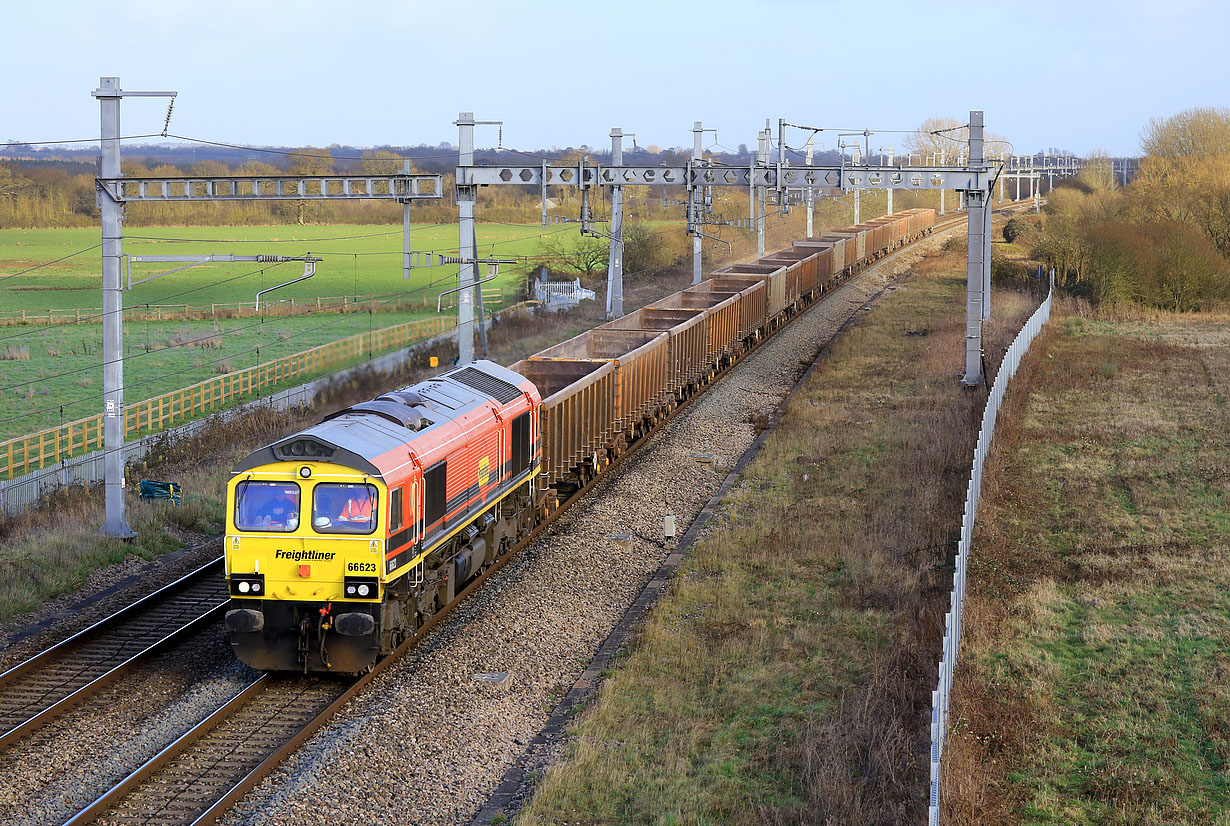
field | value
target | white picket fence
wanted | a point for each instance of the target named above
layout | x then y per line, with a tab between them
561	295
941	697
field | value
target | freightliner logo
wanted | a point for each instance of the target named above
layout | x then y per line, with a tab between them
304	556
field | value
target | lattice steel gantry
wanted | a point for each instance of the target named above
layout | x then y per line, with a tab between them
976	179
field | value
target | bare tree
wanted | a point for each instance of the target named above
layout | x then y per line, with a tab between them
950	137
1098	173
1200	132
583	255
1185	176
382	162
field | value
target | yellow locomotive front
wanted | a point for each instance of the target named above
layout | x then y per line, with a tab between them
345	538
304	562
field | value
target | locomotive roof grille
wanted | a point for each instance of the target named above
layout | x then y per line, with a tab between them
498	389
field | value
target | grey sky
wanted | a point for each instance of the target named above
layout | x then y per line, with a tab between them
1078	75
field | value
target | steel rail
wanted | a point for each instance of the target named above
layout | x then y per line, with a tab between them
61	677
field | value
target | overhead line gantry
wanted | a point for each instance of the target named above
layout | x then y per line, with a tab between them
975	179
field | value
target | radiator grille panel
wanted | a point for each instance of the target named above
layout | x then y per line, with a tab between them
498	389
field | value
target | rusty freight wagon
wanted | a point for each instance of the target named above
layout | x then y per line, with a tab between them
844	248
687	342
921	221
831	252
641	360
774	276
753	307
856	243
878	233
577	414
722	320
801	271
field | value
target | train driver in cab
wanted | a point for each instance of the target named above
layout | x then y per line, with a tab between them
358	507
343	508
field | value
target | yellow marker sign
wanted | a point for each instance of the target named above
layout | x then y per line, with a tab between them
484	471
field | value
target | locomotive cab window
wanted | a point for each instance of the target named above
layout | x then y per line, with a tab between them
435	483
395	510
267	506
344	508
520	443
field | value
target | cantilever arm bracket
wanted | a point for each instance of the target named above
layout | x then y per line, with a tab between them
309	269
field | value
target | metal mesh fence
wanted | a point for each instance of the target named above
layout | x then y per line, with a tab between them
941	697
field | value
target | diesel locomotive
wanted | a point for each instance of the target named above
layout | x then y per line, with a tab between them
344	538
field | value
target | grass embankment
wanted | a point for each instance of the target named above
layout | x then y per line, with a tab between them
786	676
1093	685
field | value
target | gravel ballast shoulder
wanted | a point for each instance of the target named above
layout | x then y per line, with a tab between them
56	771
427	742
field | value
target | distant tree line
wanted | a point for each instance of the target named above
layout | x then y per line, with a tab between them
1164	239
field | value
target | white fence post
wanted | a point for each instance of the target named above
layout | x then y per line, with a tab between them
941	698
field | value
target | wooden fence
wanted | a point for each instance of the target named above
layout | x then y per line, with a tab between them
242	309
23	454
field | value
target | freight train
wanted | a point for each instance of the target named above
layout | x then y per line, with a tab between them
343	539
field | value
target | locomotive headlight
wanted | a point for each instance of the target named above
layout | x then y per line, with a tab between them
361	587
305	471
243	585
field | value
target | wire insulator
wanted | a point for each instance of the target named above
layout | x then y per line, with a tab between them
167	125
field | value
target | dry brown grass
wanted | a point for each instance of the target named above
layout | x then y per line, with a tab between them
15	352
786	678
1093	673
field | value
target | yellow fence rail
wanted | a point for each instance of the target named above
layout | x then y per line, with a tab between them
24	454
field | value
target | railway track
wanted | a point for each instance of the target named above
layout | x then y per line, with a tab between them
197	778
52	682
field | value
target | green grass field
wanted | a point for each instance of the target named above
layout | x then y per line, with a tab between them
1092	684
56	376
357	260
50	374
